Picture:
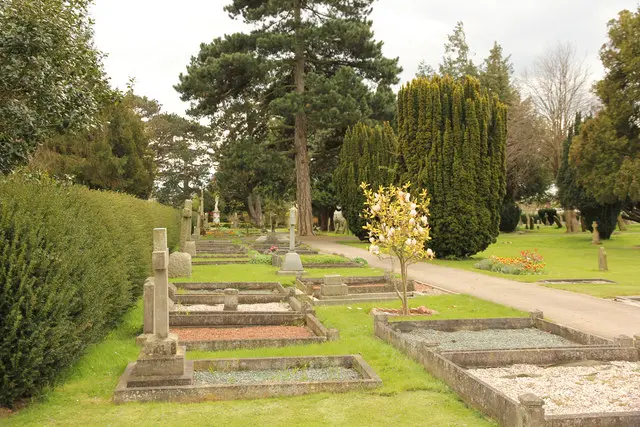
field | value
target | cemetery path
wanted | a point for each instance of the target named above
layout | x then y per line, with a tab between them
598	316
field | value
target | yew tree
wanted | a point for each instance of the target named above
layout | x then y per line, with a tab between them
293	44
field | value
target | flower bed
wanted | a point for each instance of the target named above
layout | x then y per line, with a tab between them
529	262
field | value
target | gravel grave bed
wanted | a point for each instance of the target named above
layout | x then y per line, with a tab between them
490	339
248	333
221	292
271	306
334	373
600	387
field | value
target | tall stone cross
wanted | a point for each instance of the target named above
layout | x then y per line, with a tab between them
185	226
292	229
160	260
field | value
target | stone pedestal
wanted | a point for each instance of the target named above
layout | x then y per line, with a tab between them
595	239
185	224
230	299
532	410
291	264
333	286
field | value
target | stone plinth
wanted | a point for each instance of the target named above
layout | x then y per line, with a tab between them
333	279
291	264
179	264
231	299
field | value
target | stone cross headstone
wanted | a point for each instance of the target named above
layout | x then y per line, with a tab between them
292	262
602	260
160	262
596	234
185	226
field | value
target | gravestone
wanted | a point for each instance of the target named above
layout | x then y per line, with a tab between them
292	262
216	213
339	222
234	220
179	264
161	360
602	260
595	239
186	244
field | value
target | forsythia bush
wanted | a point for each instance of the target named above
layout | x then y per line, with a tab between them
72	261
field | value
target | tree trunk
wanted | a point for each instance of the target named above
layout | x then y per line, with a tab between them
303	179
405	302
254	203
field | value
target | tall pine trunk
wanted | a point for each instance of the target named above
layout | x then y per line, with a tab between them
303	179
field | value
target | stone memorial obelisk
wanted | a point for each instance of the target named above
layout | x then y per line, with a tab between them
292	263
216	213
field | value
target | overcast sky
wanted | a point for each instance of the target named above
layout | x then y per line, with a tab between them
153	40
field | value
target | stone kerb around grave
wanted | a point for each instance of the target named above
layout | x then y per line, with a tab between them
528	410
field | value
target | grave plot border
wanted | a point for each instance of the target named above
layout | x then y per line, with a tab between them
528	411
321	332
193	393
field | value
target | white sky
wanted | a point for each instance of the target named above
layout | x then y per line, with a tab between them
153	40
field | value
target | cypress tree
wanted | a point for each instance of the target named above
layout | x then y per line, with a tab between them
456	139
368	154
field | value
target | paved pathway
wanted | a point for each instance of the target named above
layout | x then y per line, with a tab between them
590	314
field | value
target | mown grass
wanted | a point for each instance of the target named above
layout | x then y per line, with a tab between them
567	256
409	395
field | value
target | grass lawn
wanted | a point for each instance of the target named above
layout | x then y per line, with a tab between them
567	256
265	273
409	395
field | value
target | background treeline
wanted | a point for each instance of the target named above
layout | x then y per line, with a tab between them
72	261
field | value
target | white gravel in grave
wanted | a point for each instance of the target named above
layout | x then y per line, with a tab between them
271	306
605	387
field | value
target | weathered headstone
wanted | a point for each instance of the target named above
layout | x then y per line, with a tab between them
161	360
531	410
595	239
234	220
602	260
148	299
179	264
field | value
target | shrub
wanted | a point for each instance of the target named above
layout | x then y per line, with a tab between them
510	216
256	257
324	259
547	215
529	262
72	261
360	261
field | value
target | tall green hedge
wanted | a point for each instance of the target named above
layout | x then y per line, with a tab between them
367	155
452	138
72	261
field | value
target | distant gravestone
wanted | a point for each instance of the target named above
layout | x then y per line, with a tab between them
185	225
216	213
602	260
339	222
595	239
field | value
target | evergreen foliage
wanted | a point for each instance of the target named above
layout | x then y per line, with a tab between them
451	139
72	261
547	216
573	194
367	155
51	74
509	216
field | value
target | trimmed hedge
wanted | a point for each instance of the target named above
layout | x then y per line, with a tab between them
72	261
548	216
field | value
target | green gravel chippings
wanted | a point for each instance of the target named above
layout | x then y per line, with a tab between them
334	373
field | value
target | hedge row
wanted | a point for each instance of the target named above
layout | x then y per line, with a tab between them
72	261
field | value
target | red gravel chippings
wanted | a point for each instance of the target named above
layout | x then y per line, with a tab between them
248	333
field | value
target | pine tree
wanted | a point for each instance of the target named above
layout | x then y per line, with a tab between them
367	155
458	155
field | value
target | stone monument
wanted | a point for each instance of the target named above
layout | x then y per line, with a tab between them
339	221
186	244
161	360
216	213
292	263
595	239
602	260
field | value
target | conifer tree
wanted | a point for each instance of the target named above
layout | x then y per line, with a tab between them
367	155
452	138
